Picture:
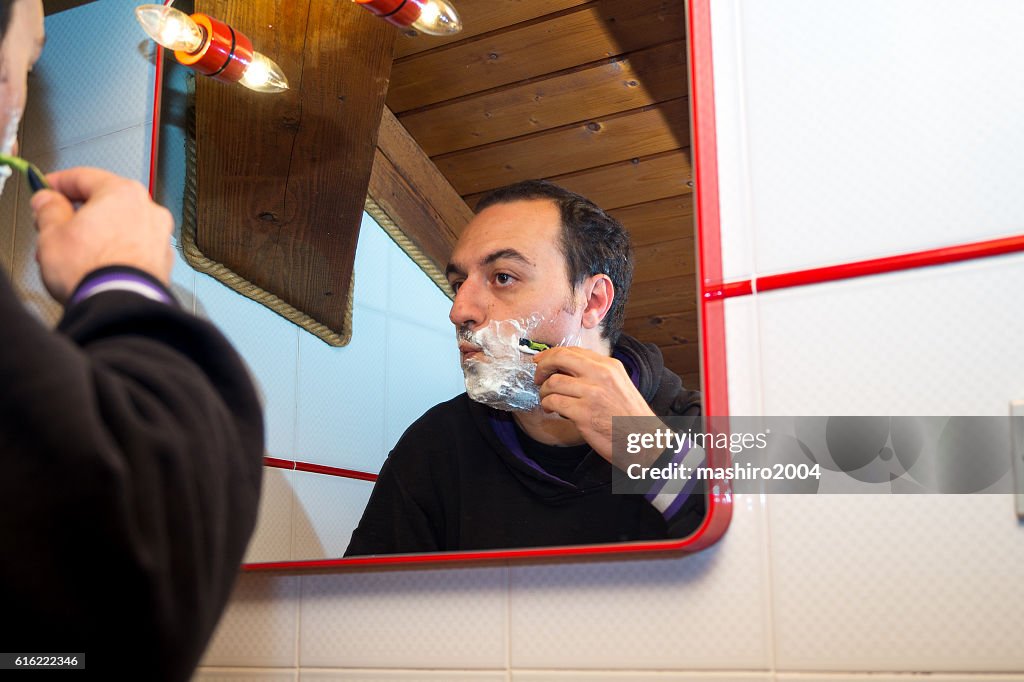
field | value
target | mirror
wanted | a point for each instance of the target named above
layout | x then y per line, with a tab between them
601	109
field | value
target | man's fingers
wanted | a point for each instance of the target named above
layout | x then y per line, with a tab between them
563	385
51	209
78	184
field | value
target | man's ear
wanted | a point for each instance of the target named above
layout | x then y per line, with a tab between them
599	292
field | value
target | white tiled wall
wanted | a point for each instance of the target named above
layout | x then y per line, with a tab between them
797	587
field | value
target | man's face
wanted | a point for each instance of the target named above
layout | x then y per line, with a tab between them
19	51
508	265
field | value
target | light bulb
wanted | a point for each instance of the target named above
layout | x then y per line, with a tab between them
263	75
211	47
170	27
436	17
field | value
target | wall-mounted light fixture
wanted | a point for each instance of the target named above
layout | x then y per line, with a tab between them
436	17
211	47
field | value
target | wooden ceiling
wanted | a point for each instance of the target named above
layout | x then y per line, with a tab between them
591	95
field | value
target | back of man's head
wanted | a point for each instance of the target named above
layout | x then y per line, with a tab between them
592	242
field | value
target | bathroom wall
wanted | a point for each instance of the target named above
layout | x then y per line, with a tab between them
846	131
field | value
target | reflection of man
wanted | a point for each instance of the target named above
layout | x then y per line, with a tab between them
540	261
130	438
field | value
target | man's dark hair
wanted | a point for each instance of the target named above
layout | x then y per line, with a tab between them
5	17
592	242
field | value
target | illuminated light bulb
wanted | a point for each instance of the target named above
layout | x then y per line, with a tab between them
264	75
212	48
435	17
170	27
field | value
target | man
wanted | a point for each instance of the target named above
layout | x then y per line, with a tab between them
523	471
131	437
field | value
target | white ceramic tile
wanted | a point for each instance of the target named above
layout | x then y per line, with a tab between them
897	582
736	229
743	356
640	676
268	343
341	396
327	510
372	266
243	675
423	370
942	341
95	77
867	135
452	618
414	296
258	629
703	611
402	676
272	539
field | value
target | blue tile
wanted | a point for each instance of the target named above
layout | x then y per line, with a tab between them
268	344
423	370
341	396
95	76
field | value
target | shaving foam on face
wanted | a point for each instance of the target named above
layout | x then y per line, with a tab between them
10	137
504	377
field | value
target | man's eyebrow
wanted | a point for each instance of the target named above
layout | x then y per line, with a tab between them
512	254
453	269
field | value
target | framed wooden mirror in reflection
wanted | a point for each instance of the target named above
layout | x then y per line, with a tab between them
599	98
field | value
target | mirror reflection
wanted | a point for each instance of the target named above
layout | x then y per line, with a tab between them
524	464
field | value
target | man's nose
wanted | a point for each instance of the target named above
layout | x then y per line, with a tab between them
467	308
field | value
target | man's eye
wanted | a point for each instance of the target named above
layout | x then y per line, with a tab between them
503	278
455	286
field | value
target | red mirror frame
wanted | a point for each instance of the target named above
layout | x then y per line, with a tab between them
712	330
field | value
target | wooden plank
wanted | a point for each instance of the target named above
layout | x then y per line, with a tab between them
665	330
662	296
656	221
691	380
662	260
482	16
650	130
641	78
683	360
628	182
410	211
282	178
593	32
423	177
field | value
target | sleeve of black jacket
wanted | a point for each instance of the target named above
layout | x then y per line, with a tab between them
131	443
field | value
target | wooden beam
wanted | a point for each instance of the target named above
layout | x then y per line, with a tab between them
665	259
627	183
414	194
607	87
655	221
282	179
664	330
483	16
650	130
590	33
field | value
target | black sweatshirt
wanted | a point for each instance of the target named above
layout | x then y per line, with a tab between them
131	443
461	478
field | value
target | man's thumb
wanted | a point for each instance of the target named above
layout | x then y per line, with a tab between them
51	208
